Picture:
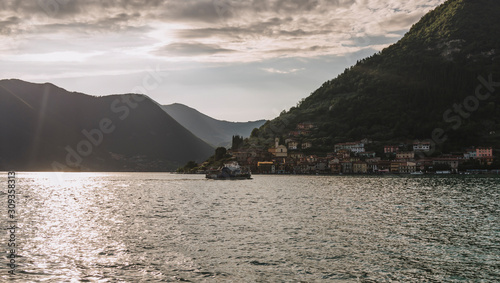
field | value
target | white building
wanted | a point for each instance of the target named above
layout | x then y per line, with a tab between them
356	147
306	145
422	146
279	150
293	145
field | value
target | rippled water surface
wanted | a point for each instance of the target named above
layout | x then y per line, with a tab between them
133	227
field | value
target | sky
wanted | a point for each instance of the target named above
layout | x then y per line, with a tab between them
230	59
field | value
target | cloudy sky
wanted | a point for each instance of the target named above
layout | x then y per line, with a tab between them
231	59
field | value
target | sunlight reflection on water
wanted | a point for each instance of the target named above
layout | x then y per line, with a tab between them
165	227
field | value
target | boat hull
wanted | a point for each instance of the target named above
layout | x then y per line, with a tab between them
222	177
230	171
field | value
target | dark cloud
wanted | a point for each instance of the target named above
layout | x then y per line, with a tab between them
205	11
113	15
103	25
296	7
190	49
196	11
209	18
9	25
48	8
297	32
272	28
299	50
204	27
118	22
288	6
55	16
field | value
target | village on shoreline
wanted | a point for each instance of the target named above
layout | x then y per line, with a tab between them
353	158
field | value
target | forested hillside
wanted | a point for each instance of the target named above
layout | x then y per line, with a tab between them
426	81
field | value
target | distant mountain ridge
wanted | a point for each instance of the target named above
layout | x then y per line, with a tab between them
426	86
44	127
213	131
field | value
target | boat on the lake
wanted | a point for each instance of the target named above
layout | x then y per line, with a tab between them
417	173
230	171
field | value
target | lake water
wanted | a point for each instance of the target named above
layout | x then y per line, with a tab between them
133	227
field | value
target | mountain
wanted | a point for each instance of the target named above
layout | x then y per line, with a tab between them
44	127
214	132
437	83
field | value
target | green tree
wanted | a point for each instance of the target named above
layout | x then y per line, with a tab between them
255	133
220	153
190	165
